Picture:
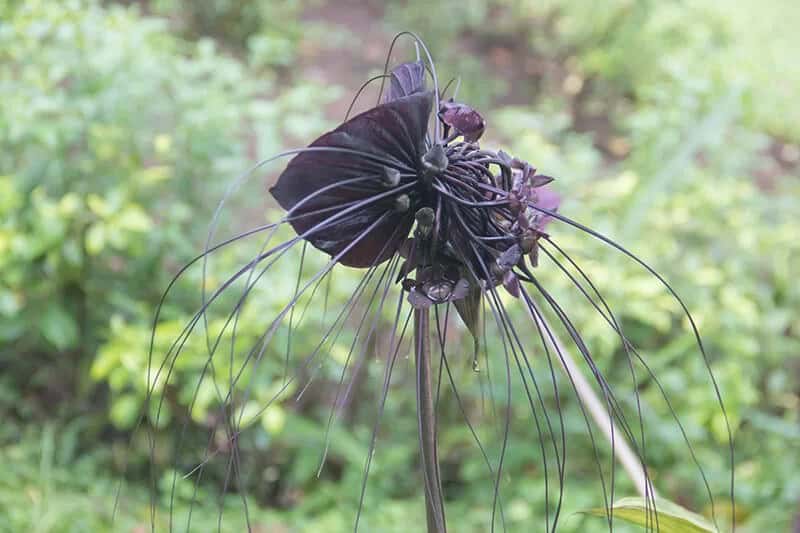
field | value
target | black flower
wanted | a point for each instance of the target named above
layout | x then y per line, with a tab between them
405	192
355	194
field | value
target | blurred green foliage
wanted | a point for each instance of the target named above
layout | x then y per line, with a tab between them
669	126
113	128
270	31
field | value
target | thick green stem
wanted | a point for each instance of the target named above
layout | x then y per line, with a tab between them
426	416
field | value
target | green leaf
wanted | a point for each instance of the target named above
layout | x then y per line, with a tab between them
96	238
134	218
58	327
11	328
672	518
125	411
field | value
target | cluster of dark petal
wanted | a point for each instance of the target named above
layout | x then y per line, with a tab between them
477	215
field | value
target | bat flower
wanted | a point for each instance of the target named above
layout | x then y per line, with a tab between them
404	202
358	190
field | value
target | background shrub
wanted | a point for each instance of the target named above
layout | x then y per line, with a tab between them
670	127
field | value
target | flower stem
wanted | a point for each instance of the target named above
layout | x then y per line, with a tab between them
426	417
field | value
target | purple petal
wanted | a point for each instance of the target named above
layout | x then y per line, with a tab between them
509	258
405	80
511	283
546	198
390	133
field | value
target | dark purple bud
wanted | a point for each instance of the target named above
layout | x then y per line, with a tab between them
511	283
504	157
402	203
469	309
391	177
434	161
518	181
509	258
522	221
533	255
528	241
463	119
523	166
425	218
540	179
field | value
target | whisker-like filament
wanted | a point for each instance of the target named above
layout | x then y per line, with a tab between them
184	336
266	338
542	326
630	348
392	359
388	275
640	478
695	332
461	407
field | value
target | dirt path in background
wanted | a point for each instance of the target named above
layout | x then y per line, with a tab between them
360	41
357	48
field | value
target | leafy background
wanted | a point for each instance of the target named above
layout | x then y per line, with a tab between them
671	126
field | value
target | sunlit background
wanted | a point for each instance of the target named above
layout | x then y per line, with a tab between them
672	126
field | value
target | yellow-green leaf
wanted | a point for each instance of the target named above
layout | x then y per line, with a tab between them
96	238
98	205
134	218
58	326
671	517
